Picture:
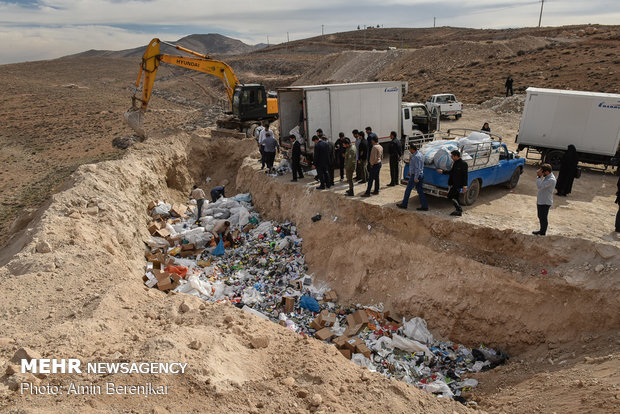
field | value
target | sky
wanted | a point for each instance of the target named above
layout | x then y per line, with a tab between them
46	29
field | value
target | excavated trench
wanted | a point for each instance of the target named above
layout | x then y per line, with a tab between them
472	284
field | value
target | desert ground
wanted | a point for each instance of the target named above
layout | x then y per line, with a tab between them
74	221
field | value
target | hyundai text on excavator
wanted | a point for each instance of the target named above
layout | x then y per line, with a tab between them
249	103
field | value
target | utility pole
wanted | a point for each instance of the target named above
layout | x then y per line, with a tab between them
287	38
434	21
267	40
322	30
542	3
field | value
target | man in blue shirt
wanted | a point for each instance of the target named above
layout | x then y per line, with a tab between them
416	179
544	199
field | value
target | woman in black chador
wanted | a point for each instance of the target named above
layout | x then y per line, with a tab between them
568	171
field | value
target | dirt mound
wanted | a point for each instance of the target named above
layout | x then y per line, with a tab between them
509	104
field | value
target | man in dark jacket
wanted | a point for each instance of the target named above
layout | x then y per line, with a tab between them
396	152
321	161
508	85
296	158
332	160
457	181
363	151
339	151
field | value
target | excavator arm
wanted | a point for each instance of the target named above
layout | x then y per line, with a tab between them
148	71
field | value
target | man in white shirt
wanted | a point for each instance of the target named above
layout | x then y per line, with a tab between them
544	199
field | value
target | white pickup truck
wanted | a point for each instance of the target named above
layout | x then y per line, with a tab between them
447	104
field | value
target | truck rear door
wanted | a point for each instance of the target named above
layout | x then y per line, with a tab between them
318	110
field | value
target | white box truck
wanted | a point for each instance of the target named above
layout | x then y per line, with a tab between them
553	119
345	107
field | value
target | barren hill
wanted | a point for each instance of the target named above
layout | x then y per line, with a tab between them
211	43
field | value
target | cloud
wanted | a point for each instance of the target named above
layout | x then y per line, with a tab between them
46	29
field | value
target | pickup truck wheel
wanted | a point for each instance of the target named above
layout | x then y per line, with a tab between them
512	183
554	158
471	195
457	116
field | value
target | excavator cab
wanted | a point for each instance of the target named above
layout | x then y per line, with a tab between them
249	102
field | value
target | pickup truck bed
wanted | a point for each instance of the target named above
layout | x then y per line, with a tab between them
506	170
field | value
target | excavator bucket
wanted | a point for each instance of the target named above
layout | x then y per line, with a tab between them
135	119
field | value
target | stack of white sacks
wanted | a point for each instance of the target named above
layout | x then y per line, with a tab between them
475	149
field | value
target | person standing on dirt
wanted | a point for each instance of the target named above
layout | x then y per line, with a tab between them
261	147
356	136
350	162
457	181
369	135
199	195
330	156
363	158
416	179
396	153
508	85
568	171
544	199
339	150
296	159
321	162
217	193
376	155
618	202
270	146
485	127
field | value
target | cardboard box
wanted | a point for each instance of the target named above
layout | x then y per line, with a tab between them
358	317
166	281
188	246
345	353
324	334
363	349
328	319
178	210
330	296
187	253
152	205
163	233
352	343
339	341
288	303
153	228
325	319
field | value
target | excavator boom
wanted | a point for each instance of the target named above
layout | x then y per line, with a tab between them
149	66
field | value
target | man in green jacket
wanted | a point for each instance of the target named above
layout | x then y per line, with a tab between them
350	162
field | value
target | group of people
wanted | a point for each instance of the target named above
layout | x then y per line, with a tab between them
360	159
361	156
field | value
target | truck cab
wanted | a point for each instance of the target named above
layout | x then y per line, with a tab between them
417	120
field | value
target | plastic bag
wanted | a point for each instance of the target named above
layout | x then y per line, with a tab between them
416	329
439	387
309	303
219	249
410	345
243	197
161	209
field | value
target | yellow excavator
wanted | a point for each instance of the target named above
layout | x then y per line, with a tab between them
249	103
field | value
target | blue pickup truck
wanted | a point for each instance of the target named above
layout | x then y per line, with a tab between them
489	164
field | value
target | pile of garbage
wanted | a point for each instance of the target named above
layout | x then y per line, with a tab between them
503	105
258	266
